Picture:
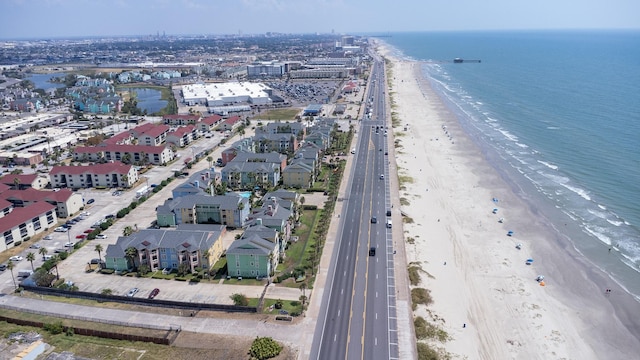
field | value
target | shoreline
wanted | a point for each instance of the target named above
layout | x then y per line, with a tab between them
507	314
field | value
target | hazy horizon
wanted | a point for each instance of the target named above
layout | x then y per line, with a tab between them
49	19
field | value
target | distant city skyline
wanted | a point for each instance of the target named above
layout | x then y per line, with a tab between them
37	19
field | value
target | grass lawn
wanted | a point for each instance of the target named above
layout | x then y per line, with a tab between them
291	306
278	114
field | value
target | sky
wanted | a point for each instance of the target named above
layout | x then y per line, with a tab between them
21	19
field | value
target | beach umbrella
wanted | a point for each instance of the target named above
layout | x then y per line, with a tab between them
510	233
495	210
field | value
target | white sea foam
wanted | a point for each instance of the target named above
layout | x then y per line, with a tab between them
602	207
549	165
553	128
597	232
615	223
599	214
508	135
583	193
524	146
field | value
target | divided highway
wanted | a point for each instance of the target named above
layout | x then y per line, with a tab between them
357	319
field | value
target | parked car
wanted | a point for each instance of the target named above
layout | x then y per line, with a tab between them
60	251
81	236
101	236
34	246
154	293
61	229
69	244
132	292
16	258
3	267
95	261
90	201
48	237
88	231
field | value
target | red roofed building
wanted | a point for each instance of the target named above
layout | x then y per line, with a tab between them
209	123
154	136
122	138
181	119
230	124
141	129
183	136
135	154
66	201
18	224
107	175
24	181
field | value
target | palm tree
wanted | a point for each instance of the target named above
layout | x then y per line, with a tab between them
99	249
210	160
43	251
131	253
30	257
10	266
303	287
128	230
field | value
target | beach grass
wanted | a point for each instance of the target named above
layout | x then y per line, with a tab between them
404	179
420	296
414	274
426	330
404	201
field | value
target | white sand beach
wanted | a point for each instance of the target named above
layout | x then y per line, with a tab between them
475	273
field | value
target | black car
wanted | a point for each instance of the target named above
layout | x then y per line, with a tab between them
388	212
153	293
3	267
374	219
90	201
372	251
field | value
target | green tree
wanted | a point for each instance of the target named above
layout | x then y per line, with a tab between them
128	230
106	291
11	266
99	249
210	161
131	254
239	300
43	251
30	257
264	348
183	269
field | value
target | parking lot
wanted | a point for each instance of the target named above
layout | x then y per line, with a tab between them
105	203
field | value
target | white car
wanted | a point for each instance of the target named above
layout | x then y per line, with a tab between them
101	236
61	229
48	237
69	244
15	258
34	246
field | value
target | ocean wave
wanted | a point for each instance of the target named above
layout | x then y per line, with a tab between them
524	146
602	207
549	165
598	233
599	214
508	135
582	192
553	128
614	222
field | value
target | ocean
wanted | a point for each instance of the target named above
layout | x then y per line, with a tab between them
557	113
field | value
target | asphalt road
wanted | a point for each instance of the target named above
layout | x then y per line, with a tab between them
359	320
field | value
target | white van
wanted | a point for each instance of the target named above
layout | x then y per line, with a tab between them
388	223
